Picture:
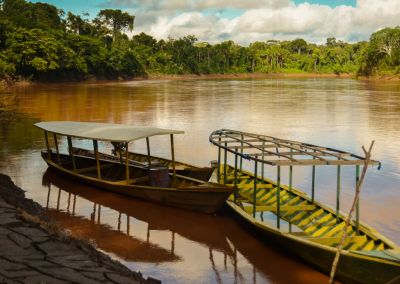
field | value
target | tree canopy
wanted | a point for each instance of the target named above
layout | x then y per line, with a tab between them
42	42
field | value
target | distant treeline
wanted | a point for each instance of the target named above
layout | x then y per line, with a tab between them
39	41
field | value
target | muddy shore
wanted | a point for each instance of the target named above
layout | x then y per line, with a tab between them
35	250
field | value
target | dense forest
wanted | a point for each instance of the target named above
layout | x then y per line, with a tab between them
40	42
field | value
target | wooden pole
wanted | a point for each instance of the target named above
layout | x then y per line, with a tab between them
148	151
96	155
255	188
173	155
235	193
225	162
127	162
219	161
338	193
263	157
47	145
57	150
241	153
358	201
71	153
291	174
121	159
313	184
278	198
356	198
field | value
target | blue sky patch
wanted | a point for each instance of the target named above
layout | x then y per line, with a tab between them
330	3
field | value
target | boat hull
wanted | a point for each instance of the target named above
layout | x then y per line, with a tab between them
206	197
352	268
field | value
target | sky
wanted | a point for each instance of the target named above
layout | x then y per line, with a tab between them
246	21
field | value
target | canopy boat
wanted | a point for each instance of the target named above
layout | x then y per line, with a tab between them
295	220
155	183
185	169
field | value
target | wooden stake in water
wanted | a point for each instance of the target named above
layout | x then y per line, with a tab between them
355	201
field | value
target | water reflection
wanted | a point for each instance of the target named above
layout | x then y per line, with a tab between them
342	114
129	230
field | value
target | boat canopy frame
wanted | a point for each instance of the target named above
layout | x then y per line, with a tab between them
295	153
256	148
114	133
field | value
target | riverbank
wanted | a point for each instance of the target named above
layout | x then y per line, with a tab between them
35	250
245	76
384	78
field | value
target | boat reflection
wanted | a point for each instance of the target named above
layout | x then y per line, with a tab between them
137	231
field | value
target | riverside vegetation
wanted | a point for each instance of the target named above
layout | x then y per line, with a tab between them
41	42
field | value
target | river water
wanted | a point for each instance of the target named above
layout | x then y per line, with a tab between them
183	247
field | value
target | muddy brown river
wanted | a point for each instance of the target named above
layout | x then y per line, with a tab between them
177	246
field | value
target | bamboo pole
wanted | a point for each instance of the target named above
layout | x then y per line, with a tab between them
356	198
358	201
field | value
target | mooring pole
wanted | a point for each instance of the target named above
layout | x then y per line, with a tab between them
358	200
278	197
57	151
338	193
255	188
235	193
225	161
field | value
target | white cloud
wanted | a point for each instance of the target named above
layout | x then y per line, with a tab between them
262	19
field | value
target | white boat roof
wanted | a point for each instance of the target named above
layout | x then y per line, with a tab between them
102	131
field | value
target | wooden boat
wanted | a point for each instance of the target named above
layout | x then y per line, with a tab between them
292	219
155	183
181	168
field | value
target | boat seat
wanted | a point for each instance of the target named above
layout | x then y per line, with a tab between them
335	240
133	180
92	169
307	207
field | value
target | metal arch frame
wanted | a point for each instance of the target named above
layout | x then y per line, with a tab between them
317	154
